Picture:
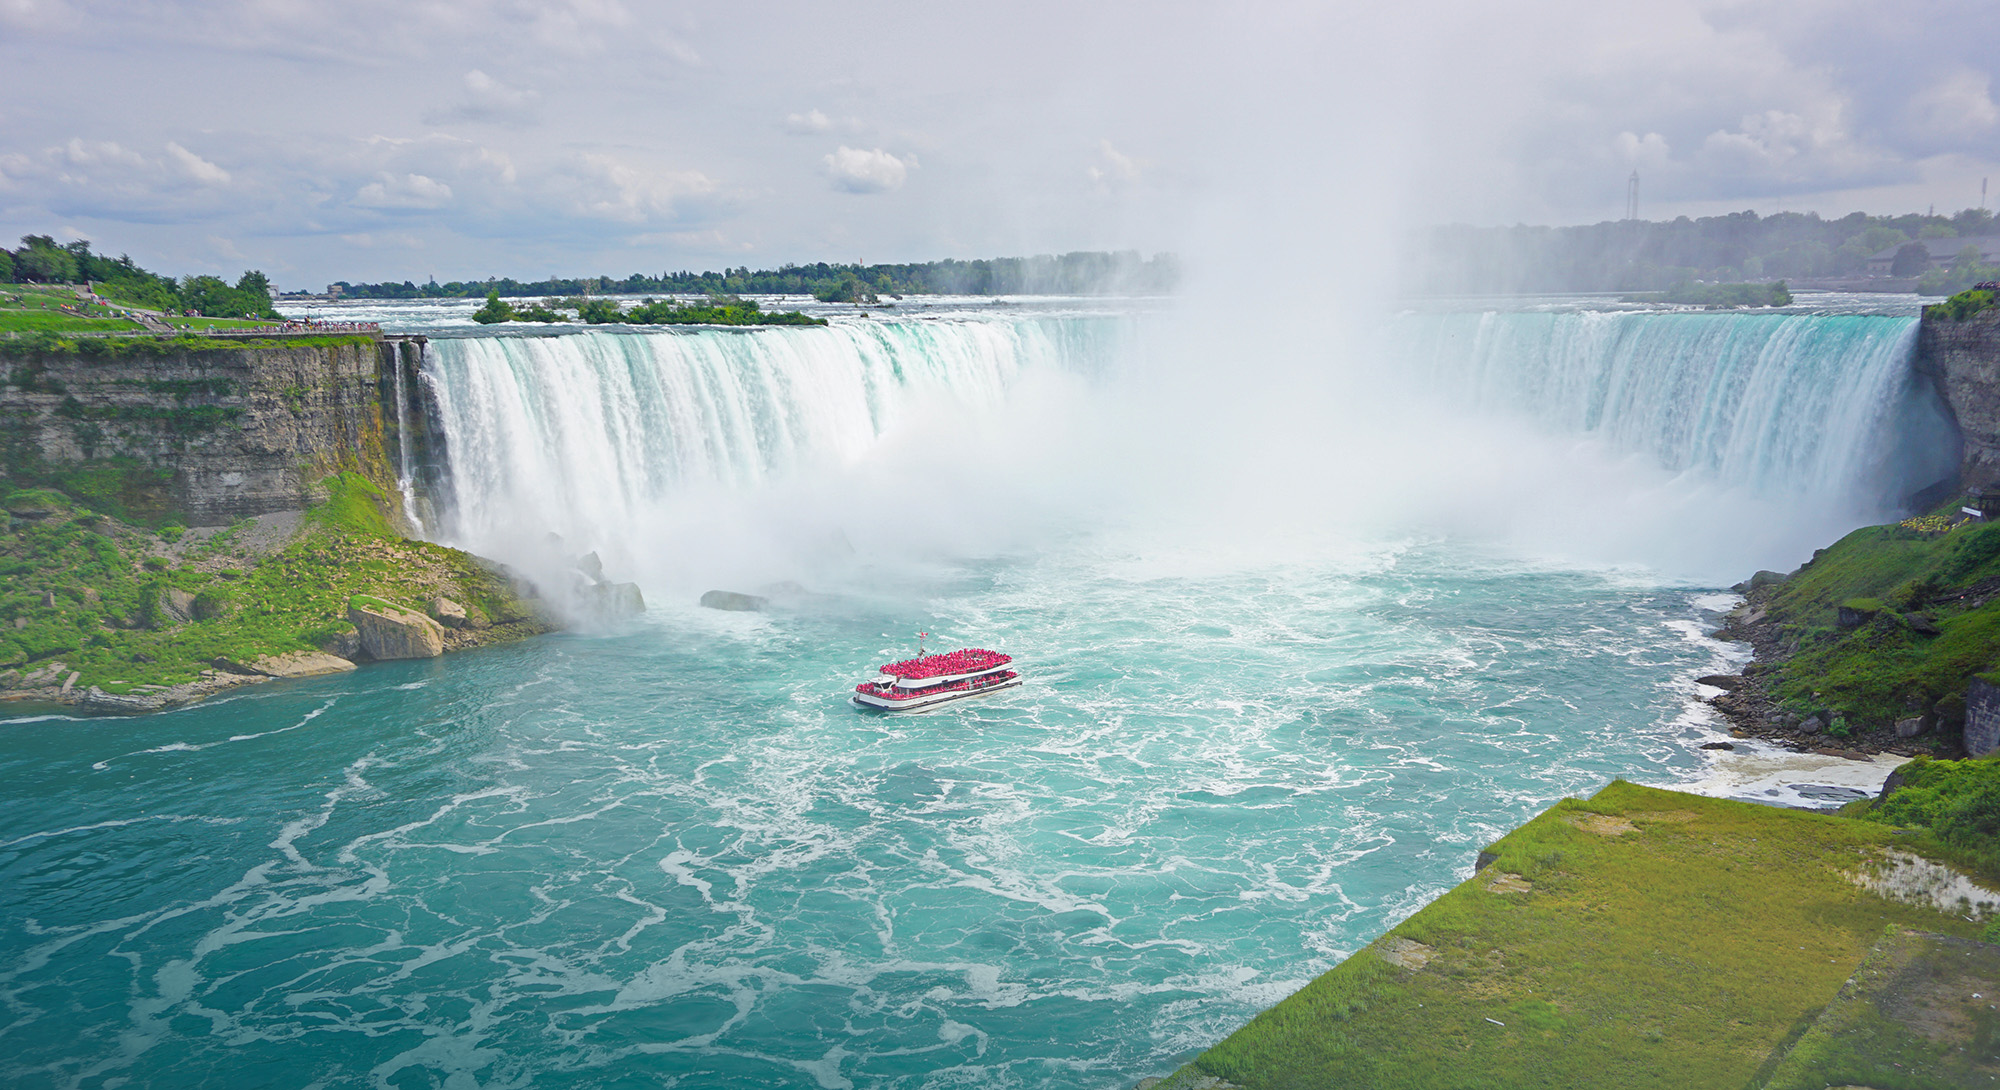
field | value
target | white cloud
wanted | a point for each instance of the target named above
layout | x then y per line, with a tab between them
873	171
601	187
403	192
1113	169
805	124
196	167
1959	105
490	101
1640	152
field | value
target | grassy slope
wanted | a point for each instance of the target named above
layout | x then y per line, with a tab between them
29	308
1680	954
1889	668
107	584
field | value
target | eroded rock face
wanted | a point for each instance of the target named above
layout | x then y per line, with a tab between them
1964	359
1982	715
392	632
300	664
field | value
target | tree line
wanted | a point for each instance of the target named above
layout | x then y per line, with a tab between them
1641	255
1079	273
40	260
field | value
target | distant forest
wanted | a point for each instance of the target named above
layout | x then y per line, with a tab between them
1639	255
1082	273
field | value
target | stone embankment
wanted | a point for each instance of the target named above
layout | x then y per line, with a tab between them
1963	358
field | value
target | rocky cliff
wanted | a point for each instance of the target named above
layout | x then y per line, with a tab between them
205	431
1963	358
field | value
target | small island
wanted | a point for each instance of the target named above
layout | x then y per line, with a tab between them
716	310
1718	296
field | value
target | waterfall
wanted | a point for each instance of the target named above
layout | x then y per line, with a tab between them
585	434
405	483
1809	406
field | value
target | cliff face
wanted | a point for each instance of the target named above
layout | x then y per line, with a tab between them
205	434
1963	358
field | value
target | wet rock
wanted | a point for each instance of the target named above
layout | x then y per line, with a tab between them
589	564
448	613
1909	728
390	631
1718	745
1982	718
733	601
345	644
1725	682
620	599
1485	859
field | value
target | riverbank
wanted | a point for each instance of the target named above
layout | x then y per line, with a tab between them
1648	938
106	616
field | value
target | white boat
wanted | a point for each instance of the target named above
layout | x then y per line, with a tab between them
930	680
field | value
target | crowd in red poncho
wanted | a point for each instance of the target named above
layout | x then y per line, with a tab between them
885	689
951	662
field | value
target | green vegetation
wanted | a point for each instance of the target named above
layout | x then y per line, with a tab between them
97	593
1082	273
1687	292
1638	255
1957	802
1961	306
717	310
1923	617
1642	938
1965	270
40	260
31	309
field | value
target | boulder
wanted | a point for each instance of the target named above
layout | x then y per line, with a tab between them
589	564
300	664
390	631
618	599
1909	728
1726	682
448	613
733	601
1718	745
179	605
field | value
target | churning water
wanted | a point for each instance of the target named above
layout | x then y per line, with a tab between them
672	855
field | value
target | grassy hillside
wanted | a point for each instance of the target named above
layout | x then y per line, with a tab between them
1890	622
1642	938
130	608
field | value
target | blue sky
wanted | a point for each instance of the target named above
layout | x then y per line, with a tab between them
370	139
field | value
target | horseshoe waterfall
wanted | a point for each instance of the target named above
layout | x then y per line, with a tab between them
1272	708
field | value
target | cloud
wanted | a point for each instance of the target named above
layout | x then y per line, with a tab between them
196	167
1650	150
805	124
487	100
600	187
1113	169
404	192
853	170
1958	106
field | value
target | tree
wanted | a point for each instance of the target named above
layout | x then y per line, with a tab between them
6	267
41	261
1911	260
495	311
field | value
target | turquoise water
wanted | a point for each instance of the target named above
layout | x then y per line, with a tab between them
673	856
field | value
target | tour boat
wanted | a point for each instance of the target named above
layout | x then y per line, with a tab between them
929	680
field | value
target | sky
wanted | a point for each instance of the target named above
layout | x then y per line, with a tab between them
405	139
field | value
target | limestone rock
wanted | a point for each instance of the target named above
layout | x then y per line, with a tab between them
733	601
448	613
300	664
1909	728
345	644
589	564
392	632
179	605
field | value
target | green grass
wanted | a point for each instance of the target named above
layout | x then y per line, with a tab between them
109	622
29	308
1683	953
1923	637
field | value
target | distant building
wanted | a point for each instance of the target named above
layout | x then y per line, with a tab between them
1943	252
333	291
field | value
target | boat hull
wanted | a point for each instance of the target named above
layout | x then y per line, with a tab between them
924	703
